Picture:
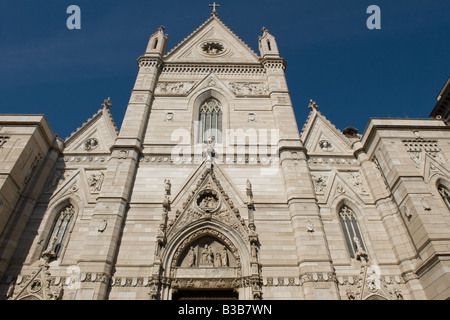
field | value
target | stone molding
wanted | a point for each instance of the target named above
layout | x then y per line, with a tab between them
197	159
200	69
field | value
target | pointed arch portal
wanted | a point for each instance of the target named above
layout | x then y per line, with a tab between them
207	250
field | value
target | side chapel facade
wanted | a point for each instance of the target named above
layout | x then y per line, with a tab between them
210	190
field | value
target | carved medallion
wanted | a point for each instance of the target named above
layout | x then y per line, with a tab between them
326	145
208	200
90	144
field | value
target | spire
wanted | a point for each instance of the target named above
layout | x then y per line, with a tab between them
157	43
268	45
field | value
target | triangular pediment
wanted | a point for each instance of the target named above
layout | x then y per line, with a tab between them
433	164
97	135
333	184
212	42
208	201
321	137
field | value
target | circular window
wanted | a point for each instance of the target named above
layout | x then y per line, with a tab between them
212	48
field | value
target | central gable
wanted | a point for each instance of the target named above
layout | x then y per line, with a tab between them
212	42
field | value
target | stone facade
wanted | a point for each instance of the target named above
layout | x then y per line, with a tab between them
209	186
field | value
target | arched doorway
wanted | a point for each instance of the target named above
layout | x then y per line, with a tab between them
205	264
224	294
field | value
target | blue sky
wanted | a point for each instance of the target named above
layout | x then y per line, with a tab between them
353	73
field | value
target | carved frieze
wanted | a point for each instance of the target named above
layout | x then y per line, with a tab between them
249	88
194	159
179	88
331	160
84	159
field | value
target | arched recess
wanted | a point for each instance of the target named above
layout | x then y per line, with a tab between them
336	207
196	101
237	275
442	189
50	218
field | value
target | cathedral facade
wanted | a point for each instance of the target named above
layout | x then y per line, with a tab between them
210	191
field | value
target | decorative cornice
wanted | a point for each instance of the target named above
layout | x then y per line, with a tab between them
198	68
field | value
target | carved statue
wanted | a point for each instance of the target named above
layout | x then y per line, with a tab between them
249	189
167	186
254	251
49	253
210	152
95	182
217	260
208	202
360	253
319	182
191	257
57	176
207	256
224	256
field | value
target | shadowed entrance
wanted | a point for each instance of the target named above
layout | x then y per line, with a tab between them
205	295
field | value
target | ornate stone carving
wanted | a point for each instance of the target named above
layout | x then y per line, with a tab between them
32	170
355	180
320	182
326	160
210	152
90	144
123	154
38	286
204	254
174	88
249	88
426	206
251	117
167	187
208	201
407	212
102	225
360	253
3	140
212	48
326	145
309	226
169	116
57	178
416	147
95	181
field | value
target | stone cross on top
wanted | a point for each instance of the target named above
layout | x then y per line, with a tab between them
214	5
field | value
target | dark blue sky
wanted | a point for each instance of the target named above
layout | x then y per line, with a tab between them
353	73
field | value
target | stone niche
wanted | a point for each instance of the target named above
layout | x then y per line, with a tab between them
206	257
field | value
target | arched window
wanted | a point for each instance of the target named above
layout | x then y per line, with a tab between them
60	231
445	194
353	238
210	121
